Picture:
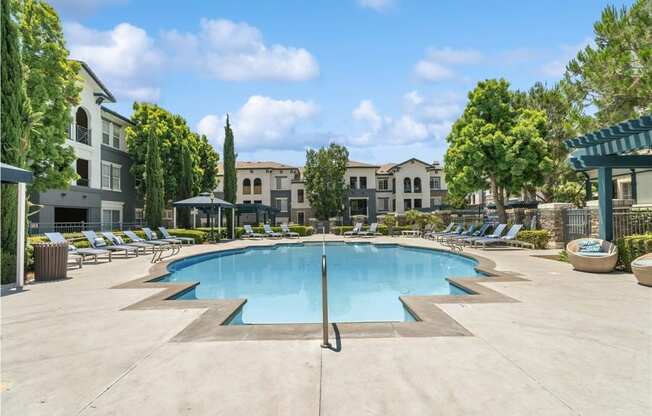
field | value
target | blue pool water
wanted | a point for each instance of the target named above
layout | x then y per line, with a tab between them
283	284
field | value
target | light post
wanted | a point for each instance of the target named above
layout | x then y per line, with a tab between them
212	198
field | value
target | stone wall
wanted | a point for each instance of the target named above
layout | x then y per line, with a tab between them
551	218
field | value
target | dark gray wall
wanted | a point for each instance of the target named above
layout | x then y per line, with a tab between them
371	202
73	197
128	193
282	194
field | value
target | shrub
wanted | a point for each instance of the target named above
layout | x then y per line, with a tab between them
632	246
199	235
302	230
538	238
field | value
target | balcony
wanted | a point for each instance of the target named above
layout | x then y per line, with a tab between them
81	134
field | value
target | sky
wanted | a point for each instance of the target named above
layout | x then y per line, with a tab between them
386	78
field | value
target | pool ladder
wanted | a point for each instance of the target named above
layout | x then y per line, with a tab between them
324	295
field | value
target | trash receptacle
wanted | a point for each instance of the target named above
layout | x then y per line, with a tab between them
50	261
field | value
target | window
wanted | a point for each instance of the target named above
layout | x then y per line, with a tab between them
363	182
246	186
168	214
407	185
111	176
282	204
626	190
117	132
358	206
82	171
383	184
436	201
111	218
435	183
246	202
106	131
353	182
407	204
417	203
383	204
258	186
279	182
417	185
300	196
139	214
393	205
258	202
301	218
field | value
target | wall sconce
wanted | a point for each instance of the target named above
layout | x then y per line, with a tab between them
63	194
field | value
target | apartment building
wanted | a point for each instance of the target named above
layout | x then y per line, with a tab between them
104	192
373	189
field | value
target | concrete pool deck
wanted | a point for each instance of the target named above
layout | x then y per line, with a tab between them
573	343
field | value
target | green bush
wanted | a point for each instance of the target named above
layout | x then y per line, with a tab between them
200	236
302	230
8	265
538	238
631	247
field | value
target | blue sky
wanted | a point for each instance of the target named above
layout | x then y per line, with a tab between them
384	77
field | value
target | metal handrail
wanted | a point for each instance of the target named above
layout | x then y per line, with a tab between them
324	293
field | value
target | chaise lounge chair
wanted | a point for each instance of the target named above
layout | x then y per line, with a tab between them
480	233
371	232
114	239
507	239
271	233
151	236
592	255
98	242
287	233
355	231
83	252
135	239
498	232
457	231
434	234
454	237
249	233
166	234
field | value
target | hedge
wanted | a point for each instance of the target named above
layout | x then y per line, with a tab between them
382	229
538	238
302	230
631	247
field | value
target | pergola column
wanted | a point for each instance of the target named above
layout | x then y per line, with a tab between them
605	190
219	220
233	223
633	184
20	237
174	217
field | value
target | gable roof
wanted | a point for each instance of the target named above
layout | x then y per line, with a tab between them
356	164
117	115
255	165
106	93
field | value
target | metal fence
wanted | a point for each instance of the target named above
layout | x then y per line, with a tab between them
576	223
634	221
75	227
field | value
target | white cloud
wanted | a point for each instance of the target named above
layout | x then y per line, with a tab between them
125	57
555	68
377	5
366	111
438	64
264	123
235	51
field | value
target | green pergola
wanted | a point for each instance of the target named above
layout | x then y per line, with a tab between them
611	148
260	210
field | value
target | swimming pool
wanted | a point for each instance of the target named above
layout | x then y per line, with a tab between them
282	284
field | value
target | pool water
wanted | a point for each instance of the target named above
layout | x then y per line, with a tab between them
283	284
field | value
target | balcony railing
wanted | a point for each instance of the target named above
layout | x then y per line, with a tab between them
81	134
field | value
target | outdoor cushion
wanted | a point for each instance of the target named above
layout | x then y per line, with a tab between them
593	254
643	263
99	242
590	246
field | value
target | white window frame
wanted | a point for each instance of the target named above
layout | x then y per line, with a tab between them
113	137
108	124
358	199
111	167
386	182
111	206
279	206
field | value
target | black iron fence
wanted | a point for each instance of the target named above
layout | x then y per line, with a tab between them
632	221
75	227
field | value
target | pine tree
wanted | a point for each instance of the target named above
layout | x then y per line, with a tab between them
230	179
12	105
154	198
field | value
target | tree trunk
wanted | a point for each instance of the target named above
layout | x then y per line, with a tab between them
499	200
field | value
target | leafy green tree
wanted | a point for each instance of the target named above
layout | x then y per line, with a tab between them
230	174
185	186
614	75
208	160
52	90
12	132
496	144
154	198
324	174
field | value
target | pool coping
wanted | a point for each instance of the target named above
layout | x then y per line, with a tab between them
431	320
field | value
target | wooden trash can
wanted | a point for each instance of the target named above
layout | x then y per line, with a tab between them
50	261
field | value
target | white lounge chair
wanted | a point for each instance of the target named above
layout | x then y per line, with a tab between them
271	233
355	231
83	252
287	232
98	242
166	234
249	233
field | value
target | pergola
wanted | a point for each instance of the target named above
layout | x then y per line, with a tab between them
208	203
20	177
259	209
611	148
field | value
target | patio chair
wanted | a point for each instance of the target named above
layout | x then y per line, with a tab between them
166	234
592	255
355	231
642	269
286	231
136	239
454	237
158	246
151	236
271	233
98	242
114	239
459	228
506	239
371	232
249	233
498	232
480	233
83	252
448	229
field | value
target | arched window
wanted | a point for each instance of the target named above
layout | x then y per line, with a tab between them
81	132
246	186
417	185
407	185
258	186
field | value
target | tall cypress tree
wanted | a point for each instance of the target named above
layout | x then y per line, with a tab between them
230	179
154	198
185	185
12	105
